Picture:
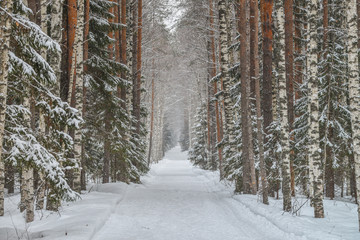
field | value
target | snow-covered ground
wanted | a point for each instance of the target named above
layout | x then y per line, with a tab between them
178	202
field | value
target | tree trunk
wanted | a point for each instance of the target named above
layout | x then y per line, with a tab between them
249	181
215	115
354	90
135	99
10	178
255	72
137	82
283	101
152	115
79	48
313	132
266	19
5	33
27	190
56	35
224	60
122	176
86	56
57	61
41	181
107	145
289	61
72	19
129	51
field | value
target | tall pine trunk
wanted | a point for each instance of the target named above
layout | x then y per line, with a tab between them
86	56
5	33
152	116
267	34
134	65
215	88
255	70
289	61
249	180
137	83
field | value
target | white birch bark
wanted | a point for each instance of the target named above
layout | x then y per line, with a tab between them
354	90
224	60
55	62
314	138
79	85
56	35
284	138
27	190
41	189
5	32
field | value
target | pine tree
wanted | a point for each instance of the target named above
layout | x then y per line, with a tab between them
198	152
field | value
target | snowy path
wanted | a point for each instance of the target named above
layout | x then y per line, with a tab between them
177	202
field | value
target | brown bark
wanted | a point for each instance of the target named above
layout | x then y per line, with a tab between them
152	115
86	57
115	160
107	143
10	178
266	19
107	155
289	67
123	48
123	58
138	68
136	107
123	32
249	181
253	37
137	39
213	74
254	73
298	76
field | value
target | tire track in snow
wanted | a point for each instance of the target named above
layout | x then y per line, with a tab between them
112	211
256	213
227	203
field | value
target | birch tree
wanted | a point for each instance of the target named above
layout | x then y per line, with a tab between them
79	39
224	60
354	89
316	182
284	138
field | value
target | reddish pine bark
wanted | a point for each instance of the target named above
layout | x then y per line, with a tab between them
86	56
289	67
71	30
266	19
137	100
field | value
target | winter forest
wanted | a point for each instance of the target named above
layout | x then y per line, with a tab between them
179	119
